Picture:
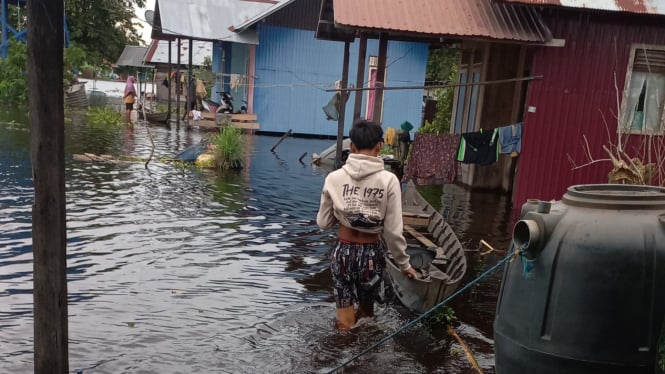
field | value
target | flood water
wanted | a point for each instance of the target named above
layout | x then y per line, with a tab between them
177	270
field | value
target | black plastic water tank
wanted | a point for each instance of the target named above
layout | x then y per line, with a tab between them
588	293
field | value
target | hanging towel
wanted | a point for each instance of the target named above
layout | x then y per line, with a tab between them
479	147
510	138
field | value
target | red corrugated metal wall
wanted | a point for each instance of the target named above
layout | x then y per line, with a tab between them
577	90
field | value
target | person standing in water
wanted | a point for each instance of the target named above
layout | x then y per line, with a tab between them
128	98
366	201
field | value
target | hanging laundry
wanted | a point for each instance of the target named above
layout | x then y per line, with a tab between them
390	136
332	108
479	147
510	139
235	81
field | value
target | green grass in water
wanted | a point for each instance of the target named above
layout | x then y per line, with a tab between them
106	116
228	148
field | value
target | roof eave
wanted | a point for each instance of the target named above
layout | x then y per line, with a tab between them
440	38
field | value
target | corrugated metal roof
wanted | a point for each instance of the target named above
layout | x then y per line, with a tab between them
206	19
629	6
132	55
468	18
252	21
158	52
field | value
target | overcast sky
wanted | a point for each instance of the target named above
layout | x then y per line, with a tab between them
140	14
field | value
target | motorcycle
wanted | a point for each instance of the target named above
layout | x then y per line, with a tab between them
225	107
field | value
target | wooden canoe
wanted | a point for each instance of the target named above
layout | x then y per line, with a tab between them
160	117
437	256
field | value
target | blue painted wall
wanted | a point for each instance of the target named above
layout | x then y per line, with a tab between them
293	69
236	56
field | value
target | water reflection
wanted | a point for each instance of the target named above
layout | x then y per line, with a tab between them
174	269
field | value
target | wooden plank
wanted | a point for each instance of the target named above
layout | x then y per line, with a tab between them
205	124
205	115
418	236
245	125
244	117
47	151
415	221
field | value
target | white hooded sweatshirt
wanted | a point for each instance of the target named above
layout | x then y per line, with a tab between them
365	197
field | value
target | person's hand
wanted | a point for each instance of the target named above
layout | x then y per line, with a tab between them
410	272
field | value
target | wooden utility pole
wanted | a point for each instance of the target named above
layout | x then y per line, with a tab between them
342	107
380	77
47	150
360	76
168	115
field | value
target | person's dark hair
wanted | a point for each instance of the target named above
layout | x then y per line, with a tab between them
366	134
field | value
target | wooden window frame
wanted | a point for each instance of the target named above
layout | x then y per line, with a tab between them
626	128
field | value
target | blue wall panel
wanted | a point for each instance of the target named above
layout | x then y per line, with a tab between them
293	70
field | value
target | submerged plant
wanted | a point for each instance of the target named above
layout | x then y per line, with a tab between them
104	117
228	148
444	316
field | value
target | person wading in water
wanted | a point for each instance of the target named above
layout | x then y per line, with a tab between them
366	201
128	98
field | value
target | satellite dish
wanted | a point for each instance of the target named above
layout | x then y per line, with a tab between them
149	16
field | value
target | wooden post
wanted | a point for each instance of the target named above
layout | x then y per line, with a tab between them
190	93
5	29
515	116
168	116
286	135
342	107
360	76
519	85
47	150
177	85
380	78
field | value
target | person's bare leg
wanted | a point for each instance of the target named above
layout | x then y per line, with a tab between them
346	318
128	116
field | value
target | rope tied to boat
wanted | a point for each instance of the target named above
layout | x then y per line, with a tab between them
510	257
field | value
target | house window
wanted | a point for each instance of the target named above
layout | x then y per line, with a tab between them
467	95
644	95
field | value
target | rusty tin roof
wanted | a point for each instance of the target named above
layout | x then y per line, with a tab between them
630	6
466	18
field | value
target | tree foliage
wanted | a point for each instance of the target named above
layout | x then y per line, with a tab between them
102	28
442	67
13	77
440	63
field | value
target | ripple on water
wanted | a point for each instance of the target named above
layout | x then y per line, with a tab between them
173	269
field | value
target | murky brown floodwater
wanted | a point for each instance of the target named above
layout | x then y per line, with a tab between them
176	270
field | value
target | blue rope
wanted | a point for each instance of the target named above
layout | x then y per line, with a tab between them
427	313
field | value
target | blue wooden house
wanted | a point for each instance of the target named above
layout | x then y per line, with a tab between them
291	71
266	54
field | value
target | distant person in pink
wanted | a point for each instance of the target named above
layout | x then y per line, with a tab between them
128	98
